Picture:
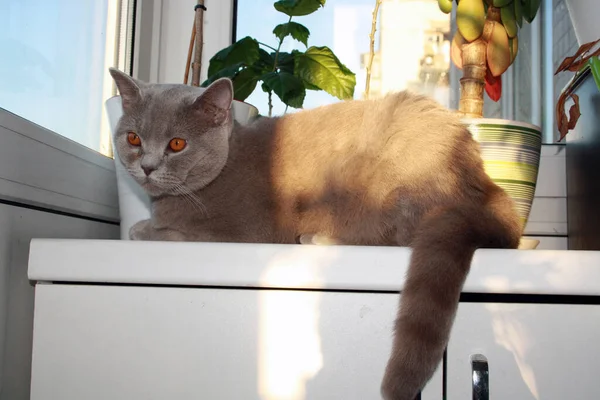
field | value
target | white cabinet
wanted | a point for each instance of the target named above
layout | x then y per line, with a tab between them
17	226
142	320
145	342
534	351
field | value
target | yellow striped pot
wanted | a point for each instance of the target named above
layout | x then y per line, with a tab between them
511	156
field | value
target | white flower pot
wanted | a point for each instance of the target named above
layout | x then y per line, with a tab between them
134	204
584	16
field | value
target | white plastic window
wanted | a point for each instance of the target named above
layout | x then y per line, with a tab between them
55	57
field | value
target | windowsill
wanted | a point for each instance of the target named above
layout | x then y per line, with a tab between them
41	168
278	266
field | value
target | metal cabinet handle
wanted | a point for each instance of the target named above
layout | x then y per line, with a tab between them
480	377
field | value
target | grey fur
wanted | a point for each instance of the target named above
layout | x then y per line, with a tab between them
400	170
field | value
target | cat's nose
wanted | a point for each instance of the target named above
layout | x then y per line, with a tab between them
148	169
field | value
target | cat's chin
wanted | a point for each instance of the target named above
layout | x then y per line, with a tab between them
154	191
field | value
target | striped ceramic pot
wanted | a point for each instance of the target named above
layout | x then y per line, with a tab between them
511	156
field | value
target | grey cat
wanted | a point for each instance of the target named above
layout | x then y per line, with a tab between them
400	170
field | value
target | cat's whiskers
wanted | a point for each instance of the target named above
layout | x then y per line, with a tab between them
195	198
167	182
191	198
194	202
174	184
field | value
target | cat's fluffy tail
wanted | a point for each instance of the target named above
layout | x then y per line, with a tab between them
442	251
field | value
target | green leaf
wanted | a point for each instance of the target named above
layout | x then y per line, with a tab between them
298	8
244	51
265	61
228	72
518	12
530	9
318	66
310	86
285	61
287	87
297	31
244	83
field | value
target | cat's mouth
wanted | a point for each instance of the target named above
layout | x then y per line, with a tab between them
155	186
149	184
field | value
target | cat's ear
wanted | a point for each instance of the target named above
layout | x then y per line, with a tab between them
215	101
128	87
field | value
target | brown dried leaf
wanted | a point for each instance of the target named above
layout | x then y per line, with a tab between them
565	124
577	65
573	64
568	61
574	112
565	64
561	118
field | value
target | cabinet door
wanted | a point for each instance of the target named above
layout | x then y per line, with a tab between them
118	342
17	227
533	351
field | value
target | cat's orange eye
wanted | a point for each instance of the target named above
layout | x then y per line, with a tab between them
133	139
177	144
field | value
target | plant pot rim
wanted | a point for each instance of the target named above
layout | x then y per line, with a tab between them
248	104
499	121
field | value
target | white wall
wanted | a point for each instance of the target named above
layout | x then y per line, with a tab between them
584	16
50	187
548	218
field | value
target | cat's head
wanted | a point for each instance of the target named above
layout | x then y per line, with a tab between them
173	138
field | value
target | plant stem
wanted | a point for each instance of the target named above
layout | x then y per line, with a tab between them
474	60
286	107
279	48
372	47
274	68
266	45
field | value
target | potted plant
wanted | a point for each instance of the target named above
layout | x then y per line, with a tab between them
584	62
484	47
288	75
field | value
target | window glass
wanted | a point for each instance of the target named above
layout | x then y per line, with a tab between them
412	46
53	68
420	64
564	42
412	51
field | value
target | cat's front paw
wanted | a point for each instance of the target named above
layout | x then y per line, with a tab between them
318	239
141	230
144	230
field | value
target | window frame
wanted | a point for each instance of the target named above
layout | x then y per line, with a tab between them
68	167
162	37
